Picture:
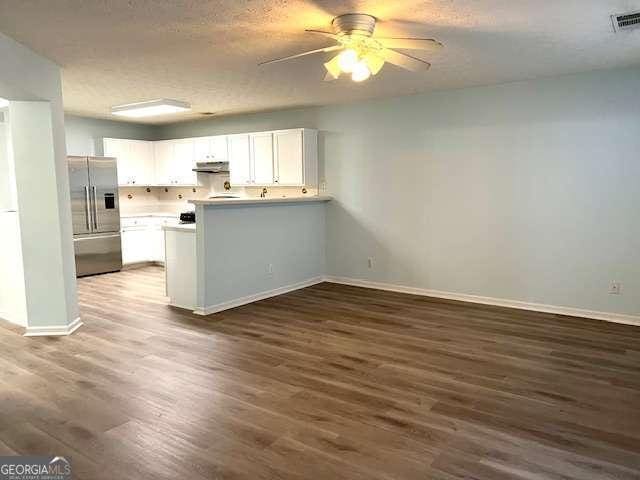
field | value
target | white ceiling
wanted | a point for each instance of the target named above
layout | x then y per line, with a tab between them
206	52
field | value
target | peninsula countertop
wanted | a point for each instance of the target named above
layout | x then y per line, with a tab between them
260	201
181	227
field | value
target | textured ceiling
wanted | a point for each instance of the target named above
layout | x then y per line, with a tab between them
206	52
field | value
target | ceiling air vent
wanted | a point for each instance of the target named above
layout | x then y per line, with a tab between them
626	21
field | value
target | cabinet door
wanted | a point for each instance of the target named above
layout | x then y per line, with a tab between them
182	166
262	158
163	152
135	246
289	158
156	244
145	162
239	160
218	148
134	158
117	148
202	149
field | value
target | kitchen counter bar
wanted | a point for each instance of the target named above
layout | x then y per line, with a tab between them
245	249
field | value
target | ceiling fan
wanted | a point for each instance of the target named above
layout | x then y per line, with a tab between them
363	55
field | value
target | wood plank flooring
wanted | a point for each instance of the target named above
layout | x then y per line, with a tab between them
329	382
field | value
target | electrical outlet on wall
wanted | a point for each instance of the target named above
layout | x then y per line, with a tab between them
615	288
270	269
323	186
370	262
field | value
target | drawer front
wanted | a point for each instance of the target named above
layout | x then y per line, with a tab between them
136	221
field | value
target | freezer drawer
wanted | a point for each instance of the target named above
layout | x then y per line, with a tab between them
98	254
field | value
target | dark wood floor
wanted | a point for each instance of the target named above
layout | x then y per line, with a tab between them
329	382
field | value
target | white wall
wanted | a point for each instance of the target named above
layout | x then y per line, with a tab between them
234	264
84	135
43	199
7	176
526	191
13	301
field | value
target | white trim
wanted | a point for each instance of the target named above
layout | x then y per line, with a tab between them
54	330
500	302
258	296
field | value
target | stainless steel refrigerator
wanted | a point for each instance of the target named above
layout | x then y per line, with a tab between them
96	214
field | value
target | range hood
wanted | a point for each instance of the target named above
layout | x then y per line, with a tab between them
212	167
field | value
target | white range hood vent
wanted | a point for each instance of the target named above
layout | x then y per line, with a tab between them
212	167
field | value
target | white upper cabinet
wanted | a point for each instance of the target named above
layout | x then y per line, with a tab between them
289	158
262	158
210	149
135	160
163	152
183	163
282	157
239	160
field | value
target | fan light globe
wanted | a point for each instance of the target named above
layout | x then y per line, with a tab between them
347	60
360	72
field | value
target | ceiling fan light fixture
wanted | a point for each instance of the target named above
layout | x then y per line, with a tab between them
360	72
347	60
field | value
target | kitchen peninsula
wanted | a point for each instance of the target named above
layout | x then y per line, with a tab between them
245	249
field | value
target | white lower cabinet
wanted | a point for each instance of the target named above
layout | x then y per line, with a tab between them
135	245
181	270
143	239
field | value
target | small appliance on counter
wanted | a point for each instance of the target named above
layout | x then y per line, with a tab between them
188	217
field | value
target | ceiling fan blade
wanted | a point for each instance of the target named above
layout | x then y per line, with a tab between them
329	78
303	54
333	67
411	43
326	34
405	61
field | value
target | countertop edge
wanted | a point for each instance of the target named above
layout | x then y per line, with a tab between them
188	228
159	215
261	201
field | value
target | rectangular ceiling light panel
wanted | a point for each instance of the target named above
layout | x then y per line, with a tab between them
626	21
152	108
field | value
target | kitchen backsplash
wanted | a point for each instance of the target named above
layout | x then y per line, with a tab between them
173	200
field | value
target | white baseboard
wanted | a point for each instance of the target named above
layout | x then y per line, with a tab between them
258	296
53	330
499	302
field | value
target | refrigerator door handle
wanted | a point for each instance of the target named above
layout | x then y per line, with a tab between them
95	207
87	202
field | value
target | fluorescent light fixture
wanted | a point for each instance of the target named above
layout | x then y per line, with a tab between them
4	102
152	108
